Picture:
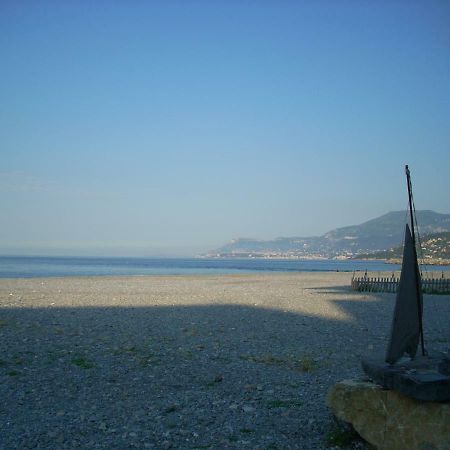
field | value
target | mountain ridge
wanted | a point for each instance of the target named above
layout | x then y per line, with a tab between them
375	235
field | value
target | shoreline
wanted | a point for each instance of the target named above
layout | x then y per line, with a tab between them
434	272
188	275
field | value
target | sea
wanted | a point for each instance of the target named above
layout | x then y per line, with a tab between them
44	266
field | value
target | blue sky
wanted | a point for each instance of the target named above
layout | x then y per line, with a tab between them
164	127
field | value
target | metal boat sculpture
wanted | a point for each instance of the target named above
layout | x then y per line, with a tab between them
425	377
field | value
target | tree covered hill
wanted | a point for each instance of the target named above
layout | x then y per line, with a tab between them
434	247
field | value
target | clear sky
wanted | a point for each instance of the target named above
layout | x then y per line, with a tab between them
171	127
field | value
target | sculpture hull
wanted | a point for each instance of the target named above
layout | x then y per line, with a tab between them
425	378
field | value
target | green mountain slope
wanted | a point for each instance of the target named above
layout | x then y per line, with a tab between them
434	247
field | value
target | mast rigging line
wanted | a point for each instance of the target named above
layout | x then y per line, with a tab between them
418	287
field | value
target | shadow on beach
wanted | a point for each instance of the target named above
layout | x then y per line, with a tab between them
203	376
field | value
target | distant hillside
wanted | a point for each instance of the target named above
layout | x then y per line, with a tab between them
435	247
386	231
375	235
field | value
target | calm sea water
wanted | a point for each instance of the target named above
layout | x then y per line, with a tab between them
29	267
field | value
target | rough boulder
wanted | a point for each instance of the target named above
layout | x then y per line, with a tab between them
388	420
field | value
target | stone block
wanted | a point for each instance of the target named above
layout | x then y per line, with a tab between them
389	420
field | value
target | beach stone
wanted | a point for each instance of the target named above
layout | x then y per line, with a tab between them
389	420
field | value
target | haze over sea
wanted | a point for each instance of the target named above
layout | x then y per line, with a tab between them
168	128
40	266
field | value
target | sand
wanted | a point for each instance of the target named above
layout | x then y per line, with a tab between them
233	361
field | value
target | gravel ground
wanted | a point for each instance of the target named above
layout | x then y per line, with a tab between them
185	362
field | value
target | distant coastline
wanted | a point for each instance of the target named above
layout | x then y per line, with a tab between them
430	262
378	239
244	255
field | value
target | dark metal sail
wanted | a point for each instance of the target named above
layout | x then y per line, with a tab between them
425	378
406	325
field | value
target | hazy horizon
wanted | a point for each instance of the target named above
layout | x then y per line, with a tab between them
144	251
171	128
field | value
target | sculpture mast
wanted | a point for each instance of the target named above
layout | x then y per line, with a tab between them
413	234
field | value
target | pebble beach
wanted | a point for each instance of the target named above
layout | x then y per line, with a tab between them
186	362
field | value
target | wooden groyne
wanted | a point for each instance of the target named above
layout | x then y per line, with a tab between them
390	284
